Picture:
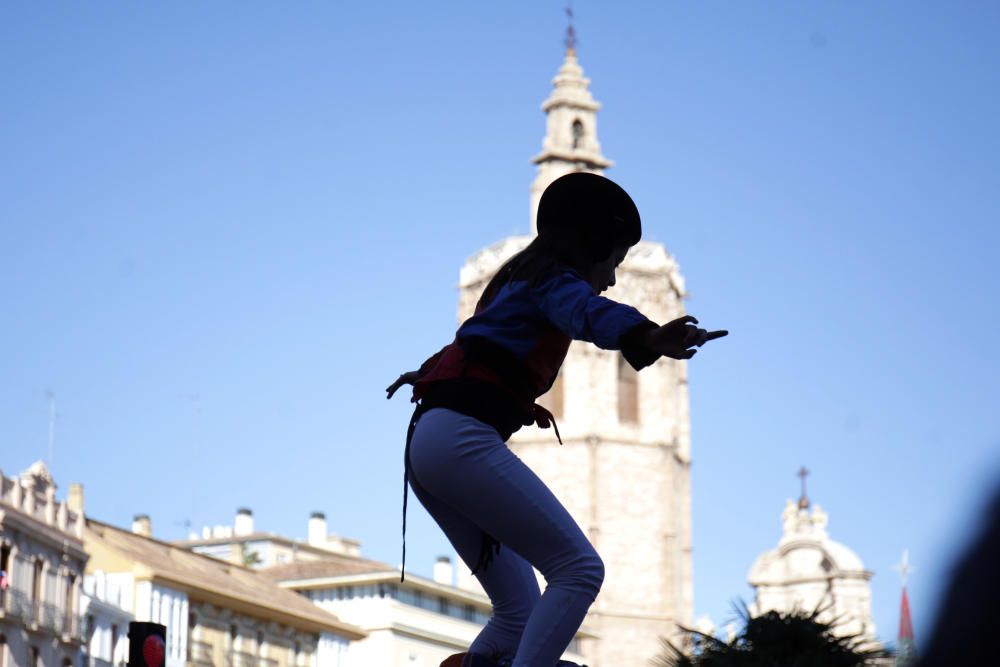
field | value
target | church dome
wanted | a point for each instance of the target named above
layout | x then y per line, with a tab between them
805	552
808	571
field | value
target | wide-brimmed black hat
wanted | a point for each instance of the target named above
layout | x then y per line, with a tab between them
592	208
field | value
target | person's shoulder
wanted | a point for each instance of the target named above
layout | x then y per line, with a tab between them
562	285
563	276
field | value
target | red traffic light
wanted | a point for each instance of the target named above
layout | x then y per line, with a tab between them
147	645
153	649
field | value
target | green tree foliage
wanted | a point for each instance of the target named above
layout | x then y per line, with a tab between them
796	639
251	558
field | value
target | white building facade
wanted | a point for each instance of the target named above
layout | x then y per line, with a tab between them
417	623
242	544
105	604
42	560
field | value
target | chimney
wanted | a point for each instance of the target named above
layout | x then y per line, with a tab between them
237	553
75	499
142	525
443	571
317	529
244	522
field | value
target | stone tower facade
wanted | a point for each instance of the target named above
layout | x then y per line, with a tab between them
623	471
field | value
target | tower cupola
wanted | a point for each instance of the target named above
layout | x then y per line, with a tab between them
570	142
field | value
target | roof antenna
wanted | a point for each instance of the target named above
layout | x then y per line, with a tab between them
52	422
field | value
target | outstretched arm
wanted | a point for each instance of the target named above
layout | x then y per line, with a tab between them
572	305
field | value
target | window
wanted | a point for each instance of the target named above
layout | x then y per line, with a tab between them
5	577
628	392
470	613
36	580
443	605
577	132
70	585
114	642
36	590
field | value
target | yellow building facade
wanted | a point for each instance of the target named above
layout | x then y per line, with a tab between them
217	613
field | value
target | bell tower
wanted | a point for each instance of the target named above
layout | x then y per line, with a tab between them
623	471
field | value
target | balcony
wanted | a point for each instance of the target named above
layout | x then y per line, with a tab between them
35	615
238	659
97	662
200	654
20	605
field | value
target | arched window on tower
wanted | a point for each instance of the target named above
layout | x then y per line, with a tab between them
628	392
70	616
577	133
553	400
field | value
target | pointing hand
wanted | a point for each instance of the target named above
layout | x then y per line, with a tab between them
674	338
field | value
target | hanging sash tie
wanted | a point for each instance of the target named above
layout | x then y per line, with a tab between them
419	410
544	419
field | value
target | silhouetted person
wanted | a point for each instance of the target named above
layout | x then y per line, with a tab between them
969	613
478	390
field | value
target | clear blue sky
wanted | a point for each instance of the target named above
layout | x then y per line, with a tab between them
226	227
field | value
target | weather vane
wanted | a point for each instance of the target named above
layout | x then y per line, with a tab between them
570	32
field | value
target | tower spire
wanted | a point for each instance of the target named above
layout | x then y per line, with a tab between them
906	646
570	32
570	143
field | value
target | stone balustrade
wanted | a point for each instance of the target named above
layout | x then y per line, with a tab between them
22	494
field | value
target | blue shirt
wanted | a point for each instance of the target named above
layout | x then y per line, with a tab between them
519	315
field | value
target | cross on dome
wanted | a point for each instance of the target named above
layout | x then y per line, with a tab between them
804	499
